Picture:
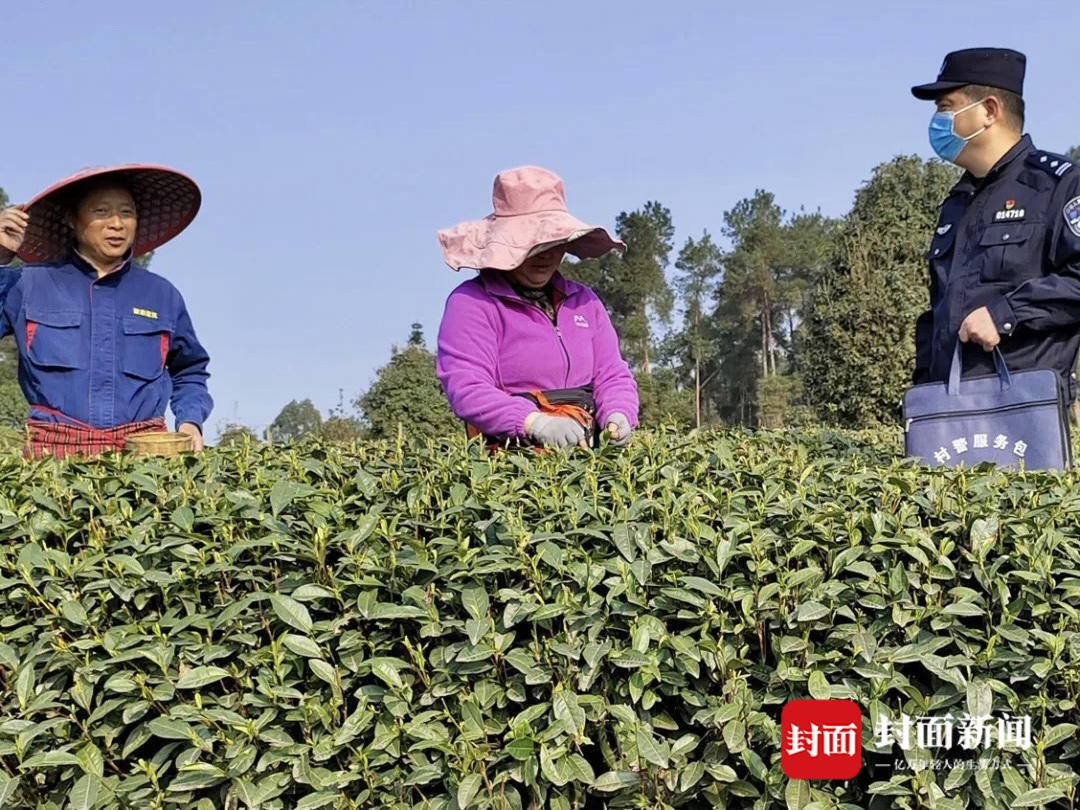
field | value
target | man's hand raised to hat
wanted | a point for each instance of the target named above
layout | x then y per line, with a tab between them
13	222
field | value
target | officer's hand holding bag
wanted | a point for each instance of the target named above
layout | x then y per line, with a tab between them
978	327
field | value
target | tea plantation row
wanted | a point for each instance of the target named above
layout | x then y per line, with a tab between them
429	627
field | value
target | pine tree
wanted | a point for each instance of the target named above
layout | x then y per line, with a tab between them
296	420
406	394
857	350
700	265
236	434
634	286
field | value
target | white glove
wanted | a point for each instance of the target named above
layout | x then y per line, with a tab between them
554	431
618	427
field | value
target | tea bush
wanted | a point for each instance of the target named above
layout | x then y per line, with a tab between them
399	626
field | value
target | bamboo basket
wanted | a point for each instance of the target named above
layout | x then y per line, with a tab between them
158	444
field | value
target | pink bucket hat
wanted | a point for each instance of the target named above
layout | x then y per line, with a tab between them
166	202
530	216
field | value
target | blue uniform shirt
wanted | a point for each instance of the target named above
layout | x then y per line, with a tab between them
105	351
1010	242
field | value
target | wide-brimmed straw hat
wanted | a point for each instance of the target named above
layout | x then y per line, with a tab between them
530	217
166	202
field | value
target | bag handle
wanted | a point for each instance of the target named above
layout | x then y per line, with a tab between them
999	364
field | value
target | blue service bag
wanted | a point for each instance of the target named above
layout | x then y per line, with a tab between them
1011	419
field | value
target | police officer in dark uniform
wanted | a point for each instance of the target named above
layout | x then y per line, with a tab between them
1005	259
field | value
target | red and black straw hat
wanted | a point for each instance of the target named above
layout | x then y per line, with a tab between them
166	201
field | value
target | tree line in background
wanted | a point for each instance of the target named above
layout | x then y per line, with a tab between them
796	319
406	395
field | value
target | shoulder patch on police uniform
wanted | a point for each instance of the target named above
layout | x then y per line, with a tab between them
1072	215
1057	165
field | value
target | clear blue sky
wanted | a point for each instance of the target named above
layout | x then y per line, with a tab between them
332	138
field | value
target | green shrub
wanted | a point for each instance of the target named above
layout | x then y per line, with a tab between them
400	626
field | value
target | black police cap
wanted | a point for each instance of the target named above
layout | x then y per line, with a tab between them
993	67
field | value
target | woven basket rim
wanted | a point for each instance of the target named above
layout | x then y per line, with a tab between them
159	438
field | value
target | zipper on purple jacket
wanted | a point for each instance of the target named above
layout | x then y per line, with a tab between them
558	332
566	354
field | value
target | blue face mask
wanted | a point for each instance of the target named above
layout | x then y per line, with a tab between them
943	138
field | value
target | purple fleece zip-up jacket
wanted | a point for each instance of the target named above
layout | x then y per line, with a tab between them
493	343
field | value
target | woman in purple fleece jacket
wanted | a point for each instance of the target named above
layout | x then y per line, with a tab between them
520	326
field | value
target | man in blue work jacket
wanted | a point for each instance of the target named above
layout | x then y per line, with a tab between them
104	345
1005	258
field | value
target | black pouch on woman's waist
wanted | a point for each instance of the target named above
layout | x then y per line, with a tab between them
582	397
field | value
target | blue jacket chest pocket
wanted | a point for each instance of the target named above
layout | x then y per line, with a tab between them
145	347
1010	252
54	338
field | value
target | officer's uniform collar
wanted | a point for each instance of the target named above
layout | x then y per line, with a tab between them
970	182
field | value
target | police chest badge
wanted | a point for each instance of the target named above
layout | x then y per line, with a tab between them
1009	213
1072	215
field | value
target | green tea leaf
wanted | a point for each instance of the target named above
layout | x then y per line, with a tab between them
691	775
468	787
649	750
91	760
84	793
323	798
184	518
196	776
818	686
963	609
323	670
8	787
283	493
578	769
980	699
797	794
291	612
388	673
197	677
702	585
811	611
74	612
24	685
302	645
475	601
1038	797
170	729
1059	733
521	748
50	759
389	611
614	781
